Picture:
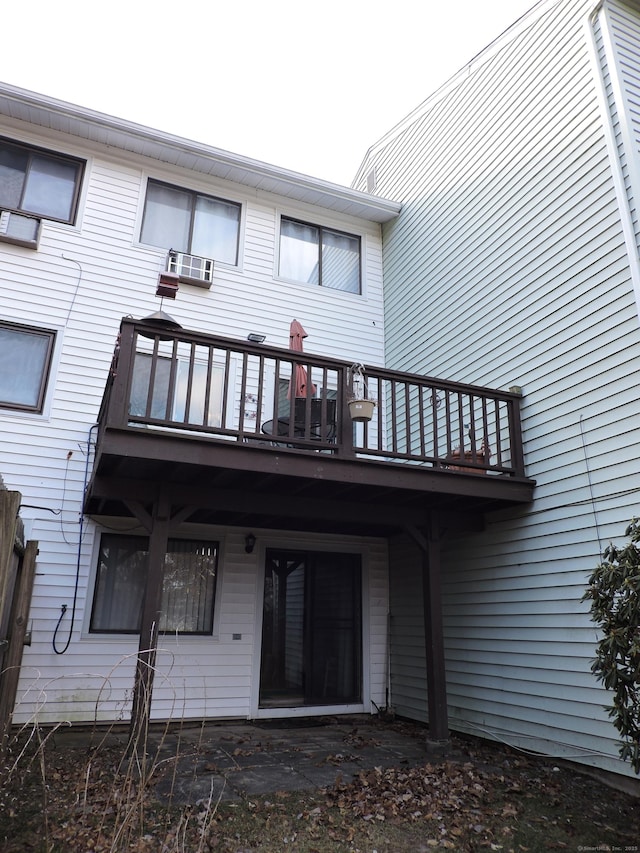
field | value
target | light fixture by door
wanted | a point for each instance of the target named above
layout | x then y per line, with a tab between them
249	543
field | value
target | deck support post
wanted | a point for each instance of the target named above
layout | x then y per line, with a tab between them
145	666
434	644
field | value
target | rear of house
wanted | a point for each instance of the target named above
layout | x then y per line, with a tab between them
212	525
123	199
514	263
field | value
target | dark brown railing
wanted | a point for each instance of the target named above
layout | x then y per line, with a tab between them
226	390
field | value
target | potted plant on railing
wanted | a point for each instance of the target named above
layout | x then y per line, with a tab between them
474	456
361	406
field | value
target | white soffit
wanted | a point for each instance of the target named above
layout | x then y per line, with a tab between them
40	110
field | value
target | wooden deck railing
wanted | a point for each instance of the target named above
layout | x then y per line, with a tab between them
220	389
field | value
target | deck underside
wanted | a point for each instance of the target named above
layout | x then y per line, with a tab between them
276	487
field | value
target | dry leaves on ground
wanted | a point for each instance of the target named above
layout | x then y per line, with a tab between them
489	798
451	797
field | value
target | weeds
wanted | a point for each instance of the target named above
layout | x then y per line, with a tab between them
95	799
102	791
99	795
65	795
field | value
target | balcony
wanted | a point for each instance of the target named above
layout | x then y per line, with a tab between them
216	424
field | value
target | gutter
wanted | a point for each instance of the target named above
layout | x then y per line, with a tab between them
626	219
381	209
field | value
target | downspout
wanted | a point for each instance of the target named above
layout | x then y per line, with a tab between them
610	139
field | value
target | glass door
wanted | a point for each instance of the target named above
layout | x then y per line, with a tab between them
311	630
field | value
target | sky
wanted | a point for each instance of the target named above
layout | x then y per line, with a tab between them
306	86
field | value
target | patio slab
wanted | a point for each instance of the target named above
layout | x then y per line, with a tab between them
253	759
226	761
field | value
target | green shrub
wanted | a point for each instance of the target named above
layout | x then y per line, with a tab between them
614	592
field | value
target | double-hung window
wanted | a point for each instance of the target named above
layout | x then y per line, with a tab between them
188	587
318	255
39	183
25	360
192	223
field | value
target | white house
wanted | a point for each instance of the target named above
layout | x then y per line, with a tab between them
213	526
514	262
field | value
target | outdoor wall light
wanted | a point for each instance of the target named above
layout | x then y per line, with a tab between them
256	338
249	543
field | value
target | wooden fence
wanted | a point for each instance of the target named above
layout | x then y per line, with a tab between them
17	572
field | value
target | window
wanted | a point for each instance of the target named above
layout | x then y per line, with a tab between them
188	589
38	182
193	395
25	359
189	222
319	256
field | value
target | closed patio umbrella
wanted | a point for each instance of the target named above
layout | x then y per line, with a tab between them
299	379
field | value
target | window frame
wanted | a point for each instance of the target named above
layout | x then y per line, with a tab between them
68	159
47	363
172	632
322	228
194	195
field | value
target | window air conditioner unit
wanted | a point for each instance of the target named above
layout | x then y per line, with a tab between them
191	268
20	229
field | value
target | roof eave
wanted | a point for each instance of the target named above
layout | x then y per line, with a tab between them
44	111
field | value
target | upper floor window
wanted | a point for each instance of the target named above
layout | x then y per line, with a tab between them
318	255
25	359
39	182
189	222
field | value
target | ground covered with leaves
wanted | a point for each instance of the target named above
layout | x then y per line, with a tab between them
489	798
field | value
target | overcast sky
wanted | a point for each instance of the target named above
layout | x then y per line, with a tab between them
307	86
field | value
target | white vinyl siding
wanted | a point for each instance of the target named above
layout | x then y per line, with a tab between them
197	677
81	282
508	266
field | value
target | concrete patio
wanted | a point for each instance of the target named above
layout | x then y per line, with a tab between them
228	761
244	760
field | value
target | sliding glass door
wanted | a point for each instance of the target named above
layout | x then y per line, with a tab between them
311	630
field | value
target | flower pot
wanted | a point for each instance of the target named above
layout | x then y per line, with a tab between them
482	458
361	411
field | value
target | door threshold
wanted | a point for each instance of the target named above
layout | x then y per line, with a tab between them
309	711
